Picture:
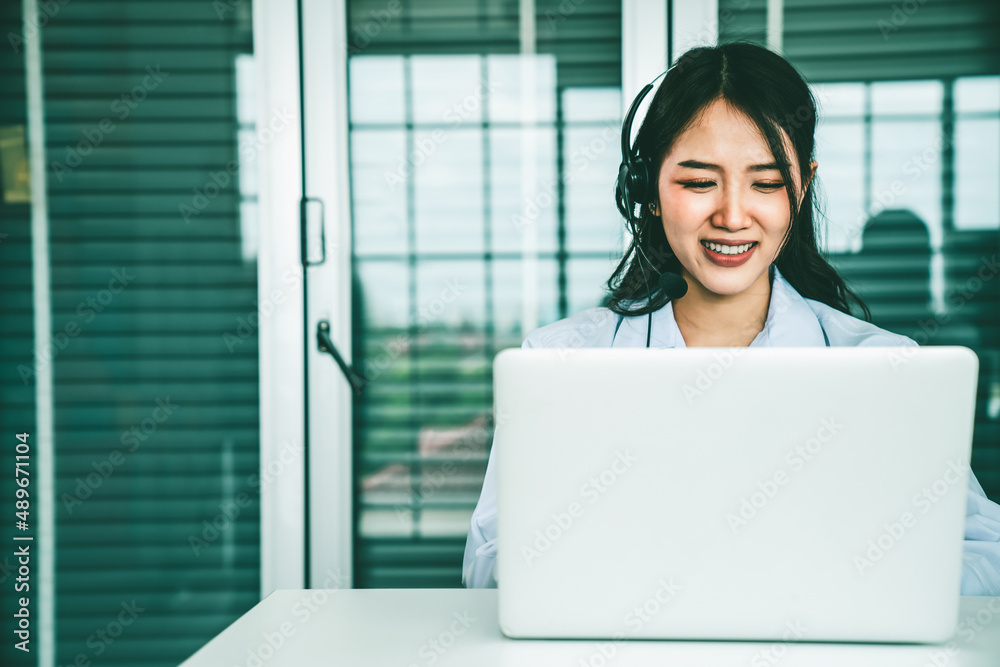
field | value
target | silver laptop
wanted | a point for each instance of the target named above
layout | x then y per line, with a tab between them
792	494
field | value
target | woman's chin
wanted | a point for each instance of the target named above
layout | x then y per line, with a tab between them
727	281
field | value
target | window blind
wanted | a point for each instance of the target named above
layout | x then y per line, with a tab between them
153	265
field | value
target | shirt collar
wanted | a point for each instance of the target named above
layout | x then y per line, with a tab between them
790	323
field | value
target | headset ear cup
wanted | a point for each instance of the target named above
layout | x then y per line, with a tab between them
632	187
638	182
621	185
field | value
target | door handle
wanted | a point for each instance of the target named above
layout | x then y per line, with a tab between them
304	230
326	345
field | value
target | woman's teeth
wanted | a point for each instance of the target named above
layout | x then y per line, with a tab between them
728	249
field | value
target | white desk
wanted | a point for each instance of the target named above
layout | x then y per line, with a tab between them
443	627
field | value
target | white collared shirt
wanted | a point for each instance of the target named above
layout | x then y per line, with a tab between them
792	321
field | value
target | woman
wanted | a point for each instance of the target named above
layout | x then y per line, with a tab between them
728	143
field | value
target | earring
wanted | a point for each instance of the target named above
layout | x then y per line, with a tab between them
652	207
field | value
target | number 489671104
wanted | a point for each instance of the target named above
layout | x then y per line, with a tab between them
21	474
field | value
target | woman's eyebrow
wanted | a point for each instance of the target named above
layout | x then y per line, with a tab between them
697	164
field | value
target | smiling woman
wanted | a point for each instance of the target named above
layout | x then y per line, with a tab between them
728	142
718	193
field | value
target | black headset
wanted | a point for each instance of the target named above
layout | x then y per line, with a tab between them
633	174
635	190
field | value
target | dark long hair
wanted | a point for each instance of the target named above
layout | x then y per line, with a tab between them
765	87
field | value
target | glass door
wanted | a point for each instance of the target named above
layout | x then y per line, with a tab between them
481	141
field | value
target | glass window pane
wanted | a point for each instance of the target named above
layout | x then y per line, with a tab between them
508	299
977	93
450	296
587	278
906	170
380	180
448	89
522	89
977	173
907	97
840	181
592	154
839	100
524	191
383	302
602	105
448	190
378	81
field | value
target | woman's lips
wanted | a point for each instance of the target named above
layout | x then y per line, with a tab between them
721	259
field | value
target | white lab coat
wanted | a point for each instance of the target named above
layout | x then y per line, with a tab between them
792	321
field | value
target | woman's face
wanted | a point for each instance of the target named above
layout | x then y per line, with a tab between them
723	202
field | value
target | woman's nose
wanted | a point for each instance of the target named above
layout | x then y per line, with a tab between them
731	213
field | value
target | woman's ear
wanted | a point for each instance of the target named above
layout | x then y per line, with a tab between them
654	208
812	173
809	180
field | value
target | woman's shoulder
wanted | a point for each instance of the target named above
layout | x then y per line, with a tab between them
593	327
842	329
